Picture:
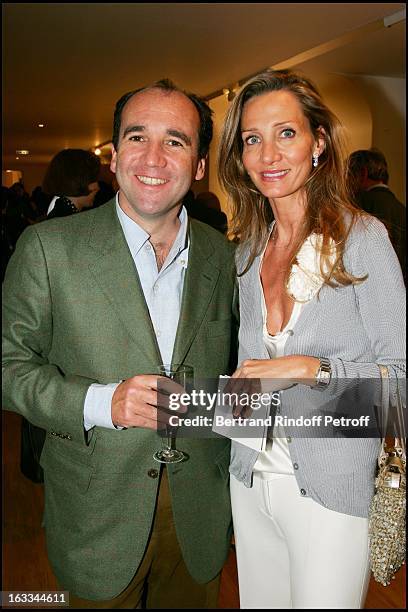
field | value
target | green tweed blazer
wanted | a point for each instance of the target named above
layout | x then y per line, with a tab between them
74	314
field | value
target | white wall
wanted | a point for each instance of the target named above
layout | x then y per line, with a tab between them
344	97
219	106
8	177
31	174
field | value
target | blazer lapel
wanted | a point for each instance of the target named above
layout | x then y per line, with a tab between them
115	272
199	284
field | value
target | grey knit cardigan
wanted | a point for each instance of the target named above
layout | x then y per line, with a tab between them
356	327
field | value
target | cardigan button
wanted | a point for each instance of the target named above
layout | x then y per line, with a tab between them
153	473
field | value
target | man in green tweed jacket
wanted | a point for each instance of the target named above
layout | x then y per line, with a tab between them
93	303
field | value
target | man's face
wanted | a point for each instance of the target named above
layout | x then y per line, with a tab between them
157	156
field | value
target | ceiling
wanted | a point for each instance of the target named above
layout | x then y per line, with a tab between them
65	65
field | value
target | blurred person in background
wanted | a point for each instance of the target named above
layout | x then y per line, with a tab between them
205	207
13	219
71	178
40	201
105	193
368	182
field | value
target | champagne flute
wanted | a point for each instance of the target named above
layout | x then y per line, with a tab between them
183	376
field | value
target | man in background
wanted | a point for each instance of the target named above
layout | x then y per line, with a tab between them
368	178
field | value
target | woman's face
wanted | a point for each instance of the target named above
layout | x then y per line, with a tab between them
278	144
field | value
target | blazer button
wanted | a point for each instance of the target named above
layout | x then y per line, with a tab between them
295	465
153	473
303	492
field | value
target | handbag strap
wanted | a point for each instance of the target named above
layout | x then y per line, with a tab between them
399	435
401	432
385	397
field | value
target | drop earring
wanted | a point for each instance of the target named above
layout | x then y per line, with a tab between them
315	159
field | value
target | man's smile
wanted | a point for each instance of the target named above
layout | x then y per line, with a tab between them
150	180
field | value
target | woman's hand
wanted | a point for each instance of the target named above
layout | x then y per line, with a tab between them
274	374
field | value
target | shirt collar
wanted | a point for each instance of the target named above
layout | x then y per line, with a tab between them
383	185
136	236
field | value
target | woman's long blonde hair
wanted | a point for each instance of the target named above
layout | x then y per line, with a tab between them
328	209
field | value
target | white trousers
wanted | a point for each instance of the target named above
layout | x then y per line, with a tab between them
294	553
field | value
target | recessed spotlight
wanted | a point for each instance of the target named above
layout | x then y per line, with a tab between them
22	152
41	125
97	151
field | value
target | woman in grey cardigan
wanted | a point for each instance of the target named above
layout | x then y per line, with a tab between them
322	304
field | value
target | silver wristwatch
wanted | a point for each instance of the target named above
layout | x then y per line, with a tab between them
323	375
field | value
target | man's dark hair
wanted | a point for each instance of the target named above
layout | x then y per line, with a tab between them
373	161
206	125
70	172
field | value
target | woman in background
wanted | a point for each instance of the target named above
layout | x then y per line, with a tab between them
321	299
71	178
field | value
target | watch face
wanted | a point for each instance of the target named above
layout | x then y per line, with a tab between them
324	376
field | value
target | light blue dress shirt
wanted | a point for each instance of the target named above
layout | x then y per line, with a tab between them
162	289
